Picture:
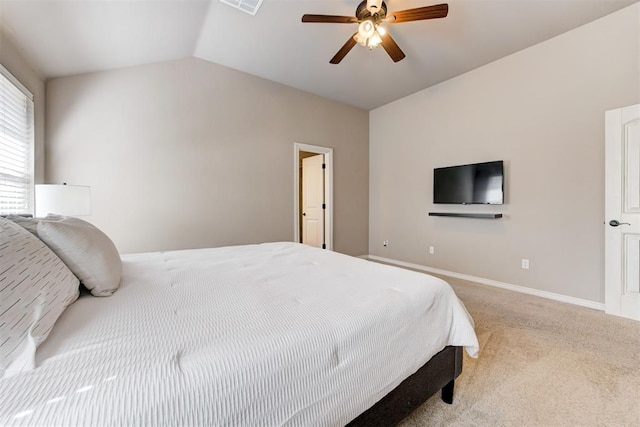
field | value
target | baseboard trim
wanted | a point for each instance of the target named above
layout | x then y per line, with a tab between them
517	288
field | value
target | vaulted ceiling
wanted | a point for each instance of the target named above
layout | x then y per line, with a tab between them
62	38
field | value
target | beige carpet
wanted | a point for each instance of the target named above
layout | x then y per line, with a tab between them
541	363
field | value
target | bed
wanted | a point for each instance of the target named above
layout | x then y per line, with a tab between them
269	334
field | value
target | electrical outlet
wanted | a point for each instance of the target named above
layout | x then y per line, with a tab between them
432	250
525	264
385	243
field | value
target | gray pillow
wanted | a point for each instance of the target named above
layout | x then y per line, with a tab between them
86	250
35	288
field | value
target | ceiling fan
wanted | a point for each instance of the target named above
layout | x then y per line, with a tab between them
370	14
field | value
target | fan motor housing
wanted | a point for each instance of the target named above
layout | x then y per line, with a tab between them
362	12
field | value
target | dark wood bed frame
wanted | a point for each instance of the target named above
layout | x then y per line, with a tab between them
439	373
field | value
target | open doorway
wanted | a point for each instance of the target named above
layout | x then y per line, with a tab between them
313	195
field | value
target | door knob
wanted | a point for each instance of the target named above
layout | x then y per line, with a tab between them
615	223
304	214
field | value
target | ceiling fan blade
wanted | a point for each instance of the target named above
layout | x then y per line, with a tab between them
392	48
330	19
344	50
419	13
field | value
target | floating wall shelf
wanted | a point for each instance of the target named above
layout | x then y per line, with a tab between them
467	215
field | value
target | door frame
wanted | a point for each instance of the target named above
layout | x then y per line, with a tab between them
328	190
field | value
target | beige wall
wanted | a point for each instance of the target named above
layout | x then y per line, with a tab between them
542	111
188	154
11	58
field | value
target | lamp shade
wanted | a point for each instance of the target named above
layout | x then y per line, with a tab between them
72	200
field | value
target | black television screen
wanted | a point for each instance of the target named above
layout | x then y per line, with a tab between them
479	183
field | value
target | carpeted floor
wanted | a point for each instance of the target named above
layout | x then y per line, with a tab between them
541	363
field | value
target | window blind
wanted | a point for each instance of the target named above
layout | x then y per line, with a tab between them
16	146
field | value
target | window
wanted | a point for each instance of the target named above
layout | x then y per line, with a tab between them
16	146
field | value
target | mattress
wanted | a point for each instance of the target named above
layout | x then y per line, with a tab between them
271	334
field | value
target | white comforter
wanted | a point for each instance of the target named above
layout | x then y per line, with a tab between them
260	335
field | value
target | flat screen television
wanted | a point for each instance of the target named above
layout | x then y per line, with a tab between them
478	183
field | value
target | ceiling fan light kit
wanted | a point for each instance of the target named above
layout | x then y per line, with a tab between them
369	34
369	15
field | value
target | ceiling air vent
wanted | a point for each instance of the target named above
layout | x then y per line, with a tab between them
249	6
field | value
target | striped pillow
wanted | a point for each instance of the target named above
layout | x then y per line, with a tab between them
35	288
30	224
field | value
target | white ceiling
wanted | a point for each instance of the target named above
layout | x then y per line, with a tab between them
62	38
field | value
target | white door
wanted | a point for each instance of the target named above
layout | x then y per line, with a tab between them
313	201
622	212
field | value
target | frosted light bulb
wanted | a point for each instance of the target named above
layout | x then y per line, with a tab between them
366	29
